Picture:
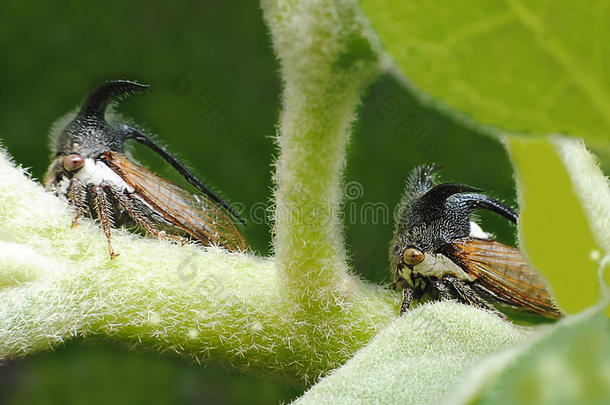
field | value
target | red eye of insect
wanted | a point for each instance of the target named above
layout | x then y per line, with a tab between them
73	162
412	256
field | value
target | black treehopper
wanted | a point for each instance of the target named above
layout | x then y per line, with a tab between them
439	252
90	169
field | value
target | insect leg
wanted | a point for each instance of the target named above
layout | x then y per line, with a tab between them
141	220
77	195
104	215
406	301
468	296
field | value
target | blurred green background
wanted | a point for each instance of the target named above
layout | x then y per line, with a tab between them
214	100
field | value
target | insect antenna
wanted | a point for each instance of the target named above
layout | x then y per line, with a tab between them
135	134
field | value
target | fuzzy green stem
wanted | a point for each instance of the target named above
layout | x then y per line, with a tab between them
57	283
326	55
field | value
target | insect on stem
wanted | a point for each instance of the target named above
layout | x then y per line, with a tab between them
91	170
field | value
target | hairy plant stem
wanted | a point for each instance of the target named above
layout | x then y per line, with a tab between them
326	56
58	283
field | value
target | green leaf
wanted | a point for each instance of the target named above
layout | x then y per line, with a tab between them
522	66
417	358
568	365
590	184
554	230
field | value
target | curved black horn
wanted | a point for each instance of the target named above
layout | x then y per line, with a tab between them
473	201
437	196
96	103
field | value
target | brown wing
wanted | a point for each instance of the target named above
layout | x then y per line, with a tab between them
503	272
196	214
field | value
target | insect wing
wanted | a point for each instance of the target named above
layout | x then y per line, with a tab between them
197	215
503	272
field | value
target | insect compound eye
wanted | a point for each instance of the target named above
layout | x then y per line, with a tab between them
73	162
412	256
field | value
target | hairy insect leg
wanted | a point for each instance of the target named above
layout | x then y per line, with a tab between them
467	295
104	215
77	197
127	205
406	301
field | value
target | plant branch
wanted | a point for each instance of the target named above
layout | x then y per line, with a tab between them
327	54
57	283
